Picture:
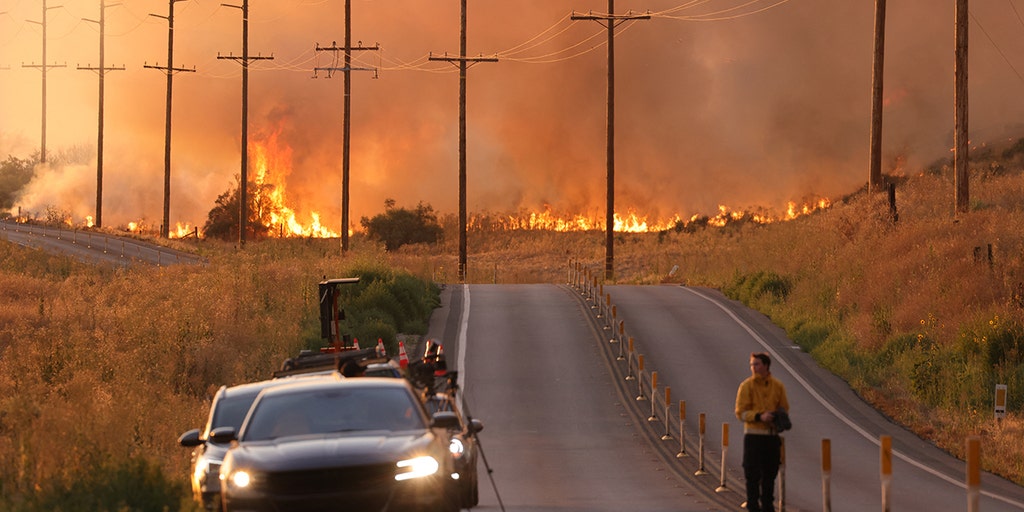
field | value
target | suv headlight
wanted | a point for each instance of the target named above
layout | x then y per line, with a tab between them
457	447
417	467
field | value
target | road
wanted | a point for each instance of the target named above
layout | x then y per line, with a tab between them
564	431
92	246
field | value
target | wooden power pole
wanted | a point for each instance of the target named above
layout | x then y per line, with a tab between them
170	70
610	20
243	186
346	112
43	67
875	173
101	70
962	192
463	63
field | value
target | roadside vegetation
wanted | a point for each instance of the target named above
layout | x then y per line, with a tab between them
101	369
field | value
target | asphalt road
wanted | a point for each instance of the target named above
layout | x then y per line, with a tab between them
92	246
565	433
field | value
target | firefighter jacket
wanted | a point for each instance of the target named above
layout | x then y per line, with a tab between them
757	395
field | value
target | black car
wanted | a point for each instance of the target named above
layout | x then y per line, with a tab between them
229	407
339	444
463	446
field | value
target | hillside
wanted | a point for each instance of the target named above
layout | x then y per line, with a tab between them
102	368
922	315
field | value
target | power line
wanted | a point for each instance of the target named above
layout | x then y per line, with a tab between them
996	46
719	15
243	200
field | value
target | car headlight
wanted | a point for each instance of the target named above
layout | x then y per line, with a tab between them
457	447
239	480
202	468
417	467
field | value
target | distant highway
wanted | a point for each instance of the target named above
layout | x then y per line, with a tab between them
564	434
92	246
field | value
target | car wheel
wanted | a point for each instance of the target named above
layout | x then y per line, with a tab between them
471	493
451	501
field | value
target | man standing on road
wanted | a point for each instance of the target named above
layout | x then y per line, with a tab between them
757	400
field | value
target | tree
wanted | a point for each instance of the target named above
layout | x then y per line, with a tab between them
222	221
399	226
15	173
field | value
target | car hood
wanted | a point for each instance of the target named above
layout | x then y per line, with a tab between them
332	450
215	452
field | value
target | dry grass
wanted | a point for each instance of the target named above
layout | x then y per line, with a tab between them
914	313
101	369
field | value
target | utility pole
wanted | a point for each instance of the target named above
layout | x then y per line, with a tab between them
346	109
611	21
43	67
962	192
101	70
243	201
170	70
875	172
464	62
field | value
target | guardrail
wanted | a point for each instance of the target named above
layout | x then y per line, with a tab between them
590	287
124	251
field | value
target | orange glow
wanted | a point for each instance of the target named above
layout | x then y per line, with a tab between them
793	210
184	230
633	222
271	167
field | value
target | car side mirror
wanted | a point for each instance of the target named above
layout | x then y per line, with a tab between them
190	439
445	420
475	426
223	435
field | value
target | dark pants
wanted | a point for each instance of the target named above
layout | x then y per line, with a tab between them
761	456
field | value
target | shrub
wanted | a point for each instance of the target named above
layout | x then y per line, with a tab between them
399	226
752	288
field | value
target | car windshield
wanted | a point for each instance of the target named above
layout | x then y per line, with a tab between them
323	411
231	410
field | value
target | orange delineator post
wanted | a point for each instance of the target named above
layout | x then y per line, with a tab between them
639	377
682	429
700	455
886	460
654	394
725	450
668	404
629	367
973	473
826	475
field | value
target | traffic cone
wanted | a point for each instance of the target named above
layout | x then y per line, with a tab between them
355	343
381	351
403	359
430	351
440	366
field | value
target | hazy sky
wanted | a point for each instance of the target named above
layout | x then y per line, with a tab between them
745	103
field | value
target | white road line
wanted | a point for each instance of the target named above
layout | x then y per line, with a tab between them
835	411
463	327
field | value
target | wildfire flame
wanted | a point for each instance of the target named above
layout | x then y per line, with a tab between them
632	222
271	166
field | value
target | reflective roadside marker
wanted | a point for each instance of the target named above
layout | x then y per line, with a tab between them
1000	404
